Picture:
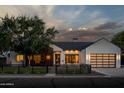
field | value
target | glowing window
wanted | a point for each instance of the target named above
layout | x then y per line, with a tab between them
19	58
37	58
72	58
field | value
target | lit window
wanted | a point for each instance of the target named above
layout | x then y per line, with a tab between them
37	58
71	58
19	58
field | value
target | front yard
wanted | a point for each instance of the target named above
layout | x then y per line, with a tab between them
61	69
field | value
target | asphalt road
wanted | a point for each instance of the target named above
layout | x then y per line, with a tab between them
81	82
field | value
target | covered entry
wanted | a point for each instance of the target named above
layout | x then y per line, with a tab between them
103	60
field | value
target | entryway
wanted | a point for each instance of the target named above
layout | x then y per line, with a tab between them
57	59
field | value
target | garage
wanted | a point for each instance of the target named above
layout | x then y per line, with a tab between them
103	60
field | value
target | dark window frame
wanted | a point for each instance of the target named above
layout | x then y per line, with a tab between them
71	55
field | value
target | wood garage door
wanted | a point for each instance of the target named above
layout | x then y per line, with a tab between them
103	60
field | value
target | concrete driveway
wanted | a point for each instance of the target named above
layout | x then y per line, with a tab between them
115	72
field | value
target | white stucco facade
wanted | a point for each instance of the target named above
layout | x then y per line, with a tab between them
104	46
100	46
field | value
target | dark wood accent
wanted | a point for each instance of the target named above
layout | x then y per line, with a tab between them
103	60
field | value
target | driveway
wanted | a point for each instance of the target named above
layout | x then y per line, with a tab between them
116	72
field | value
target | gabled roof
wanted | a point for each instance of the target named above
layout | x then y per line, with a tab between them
73	45
107	41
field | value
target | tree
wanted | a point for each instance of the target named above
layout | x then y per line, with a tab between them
5	41
29	35
118	40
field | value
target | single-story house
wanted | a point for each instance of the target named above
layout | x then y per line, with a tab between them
100	53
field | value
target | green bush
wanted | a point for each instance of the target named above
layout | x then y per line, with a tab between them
39	70
24	70
10	70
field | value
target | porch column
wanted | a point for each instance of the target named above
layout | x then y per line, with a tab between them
62	58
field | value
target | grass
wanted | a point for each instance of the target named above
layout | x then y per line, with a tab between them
23	70
9	70
39	70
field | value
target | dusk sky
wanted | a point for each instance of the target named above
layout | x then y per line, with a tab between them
95	18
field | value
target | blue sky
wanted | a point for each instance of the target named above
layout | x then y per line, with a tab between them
108	18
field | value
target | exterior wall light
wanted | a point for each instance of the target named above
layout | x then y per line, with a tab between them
71	51
48	57
66	51
76	51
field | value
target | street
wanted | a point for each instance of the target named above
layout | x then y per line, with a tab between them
65	82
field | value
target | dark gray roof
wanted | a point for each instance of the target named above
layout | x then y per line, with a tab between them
73	45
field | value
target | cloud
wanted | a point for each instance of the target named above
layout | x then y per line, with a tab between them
94	18
45	12
63	17
68	15
107	26
27	10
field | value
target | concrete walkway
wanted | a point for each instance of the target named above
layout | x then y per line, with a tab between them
114	72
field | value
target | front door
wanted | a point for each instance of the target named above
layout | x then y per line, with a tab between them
57	59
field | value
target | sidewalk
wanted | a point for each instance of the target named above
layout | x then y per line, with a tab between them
47	76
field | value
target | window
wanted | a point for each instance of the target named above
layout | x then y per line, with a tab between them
72	58
19	58
37	58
